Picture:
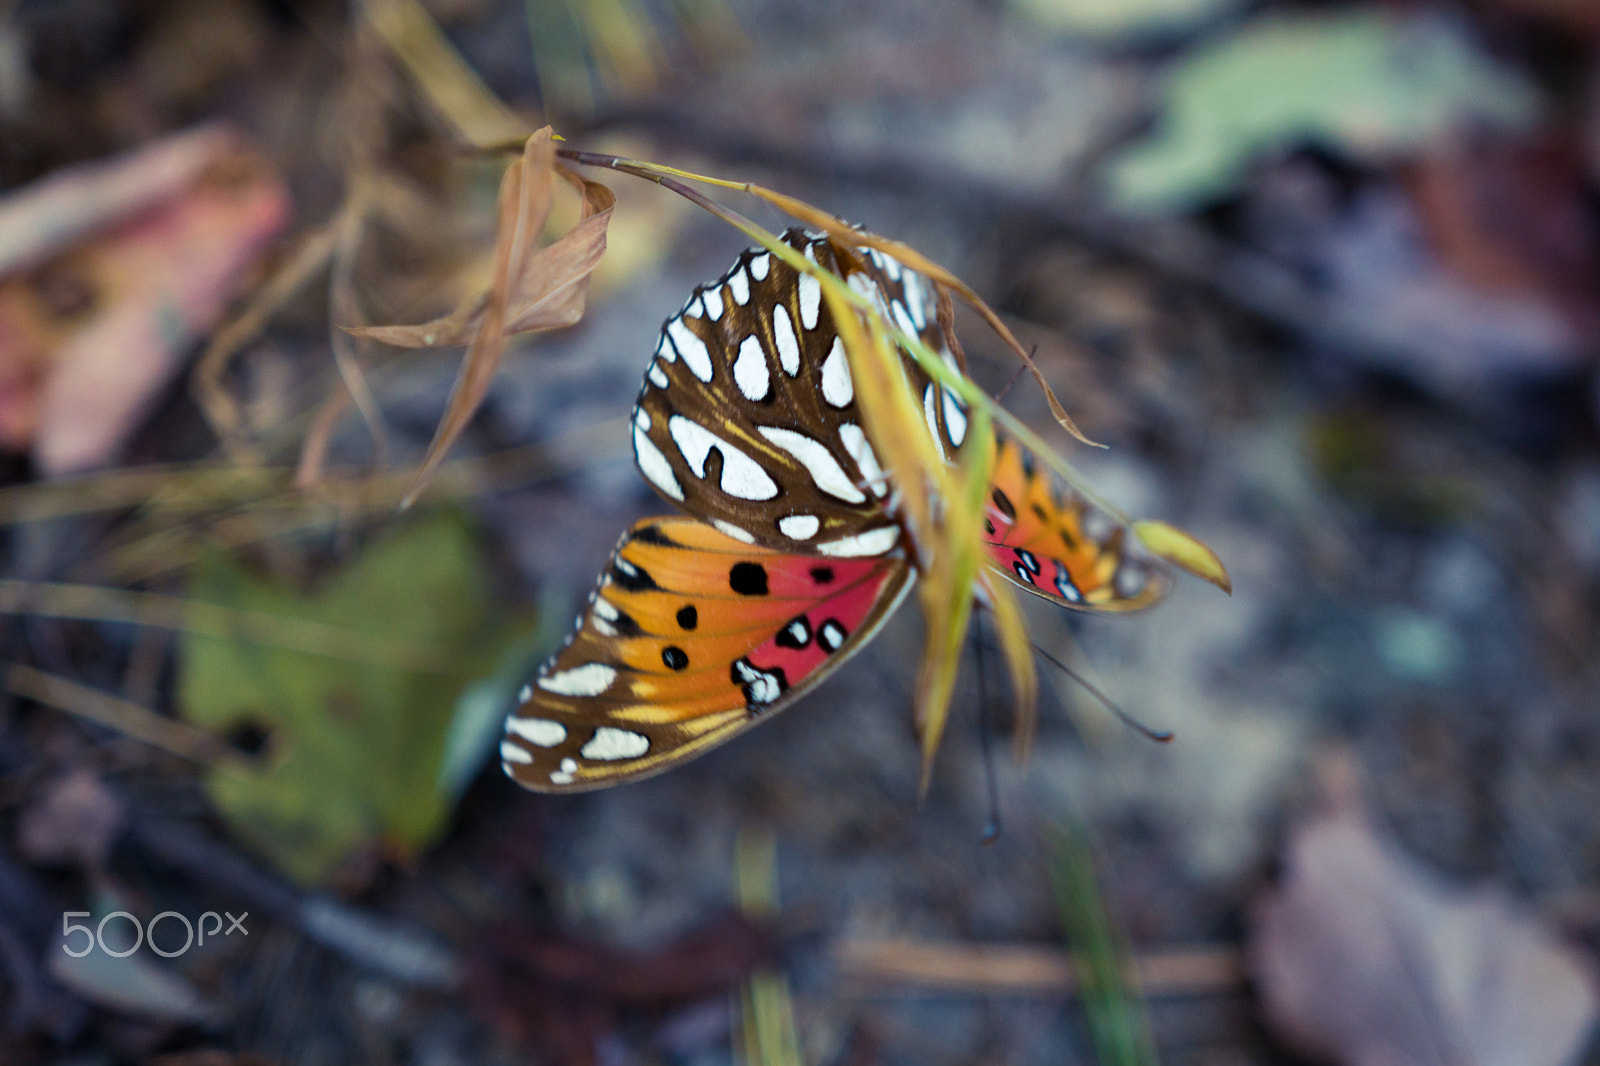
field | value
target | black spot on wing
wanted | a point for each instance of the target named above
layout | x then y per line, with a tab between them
748	579
688	617
626	575
822	575
1003	504
652	535
675	657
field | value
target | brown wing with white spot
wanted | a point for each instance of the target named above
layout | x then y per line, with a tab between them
690	638
748	415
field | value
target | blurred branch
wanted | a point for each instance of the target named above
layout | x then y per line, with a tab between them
1026	970
406	955
124	716
50	600
452	86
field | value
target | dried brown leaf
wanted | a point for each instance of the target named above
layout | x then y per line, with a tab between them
524	204
1364	956
446	332
551	290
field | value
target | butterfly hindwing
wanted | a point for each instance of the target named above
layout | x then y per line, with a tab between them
690	637
748	415
1047	542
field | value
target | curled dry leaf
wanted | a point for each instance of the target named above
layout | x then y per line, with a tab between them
533	289
109	273
1364	956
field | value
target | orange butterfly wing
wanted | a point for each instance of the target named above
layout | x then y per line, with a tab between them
690	637
1046	542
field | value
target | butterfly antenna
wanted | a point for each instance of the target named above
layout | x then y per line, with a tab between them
1159	735
992	831
1016	377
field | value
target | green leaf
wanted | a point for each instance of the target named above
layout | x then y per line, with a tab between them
1356	81
354	751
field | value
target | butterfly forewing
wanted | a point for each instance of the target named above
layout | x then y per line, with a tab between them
690	637
748	415
1053	544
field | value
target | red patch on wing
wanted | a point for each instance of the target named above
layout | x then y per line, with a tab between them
806	641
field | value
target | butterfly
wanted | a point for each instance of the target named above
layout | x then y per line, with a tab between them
792	552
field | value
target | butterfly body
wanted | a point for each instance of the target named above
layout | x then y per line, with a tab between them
795	553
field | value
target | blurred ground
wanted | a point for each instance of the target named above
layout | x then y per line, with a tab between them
1323	276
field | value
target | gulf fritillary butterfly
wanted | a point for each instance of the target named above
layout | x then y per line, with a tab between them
701	626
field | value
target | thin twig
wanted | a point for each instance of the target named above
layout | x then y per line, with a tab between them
124	716
52	600
1029	970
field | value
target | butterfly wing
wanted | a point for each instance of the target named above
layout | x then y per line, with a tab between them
748	416
1046	542
690	637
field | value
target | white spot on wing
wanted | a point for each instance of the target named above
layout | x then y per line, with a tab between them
928	413
799	526
692	348
654	466
658	375
712	299
818	461
750	370
762	687
728	529
739	287
510	752
540	731
788	344
860	449
810	300
759	266
525	693
664	349
872	542
610	743
901	318
837	388
916	298
742	476
590	679
955	419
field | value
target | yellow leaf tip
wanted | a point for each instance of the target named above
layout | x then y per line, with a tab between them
1184	551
